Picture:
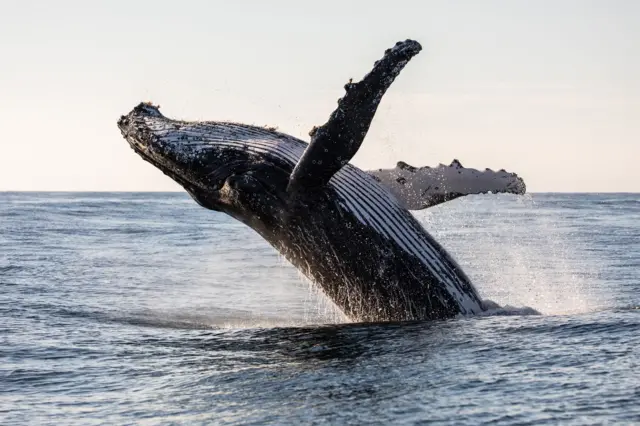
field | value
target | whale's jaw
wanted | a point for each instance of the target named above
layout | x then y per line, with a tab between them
148	133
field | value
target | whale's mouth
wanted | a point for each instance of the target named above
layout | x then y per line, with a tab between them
144	150
143	129
138	129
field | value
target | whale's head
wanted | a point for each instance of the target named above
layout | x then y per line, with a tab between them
210	159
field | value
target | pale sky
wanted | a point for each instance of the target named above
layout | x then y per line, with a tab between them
549	89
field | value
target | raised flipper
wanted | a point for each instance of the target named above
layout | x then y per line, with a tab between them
419	188
337	141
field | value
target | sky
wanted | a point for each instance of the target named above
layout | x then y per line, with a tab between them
549	89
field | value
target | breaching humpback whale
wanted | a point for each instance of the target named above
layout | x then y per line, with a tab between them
349	231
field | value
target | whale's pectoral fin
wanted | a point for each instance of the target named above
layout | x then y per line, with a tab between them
419	188
337	141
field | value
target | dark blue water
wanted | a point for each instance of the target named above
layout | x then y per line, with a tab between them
145	308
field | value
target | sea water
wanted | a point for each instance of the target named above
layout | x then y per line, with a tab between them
144	308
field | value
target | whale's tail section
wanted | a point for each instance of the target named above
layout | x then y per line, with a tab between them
420	188
337	141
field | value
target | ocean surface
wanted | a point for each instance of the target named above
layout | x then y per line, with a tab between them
144	308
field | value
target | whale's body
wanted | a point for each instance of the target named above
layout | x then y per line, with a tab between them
339	225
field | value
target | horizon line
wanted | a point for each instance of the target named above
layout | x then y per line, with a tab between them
184	192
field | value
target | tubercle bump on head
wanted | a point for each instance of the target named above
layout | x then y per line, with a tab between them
148	108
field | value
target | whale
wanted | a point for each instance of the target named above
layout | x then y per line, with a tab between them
349	231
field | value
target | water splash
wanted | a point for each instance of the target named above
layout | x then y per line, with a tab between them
519	253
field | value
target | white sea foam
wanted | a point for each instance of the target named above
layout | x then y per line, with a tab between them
519	253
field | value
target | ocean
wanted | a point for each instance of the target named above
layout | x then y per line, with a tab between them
144	308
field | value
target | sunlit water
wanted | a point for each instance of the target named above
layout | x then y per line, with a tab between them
145	308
